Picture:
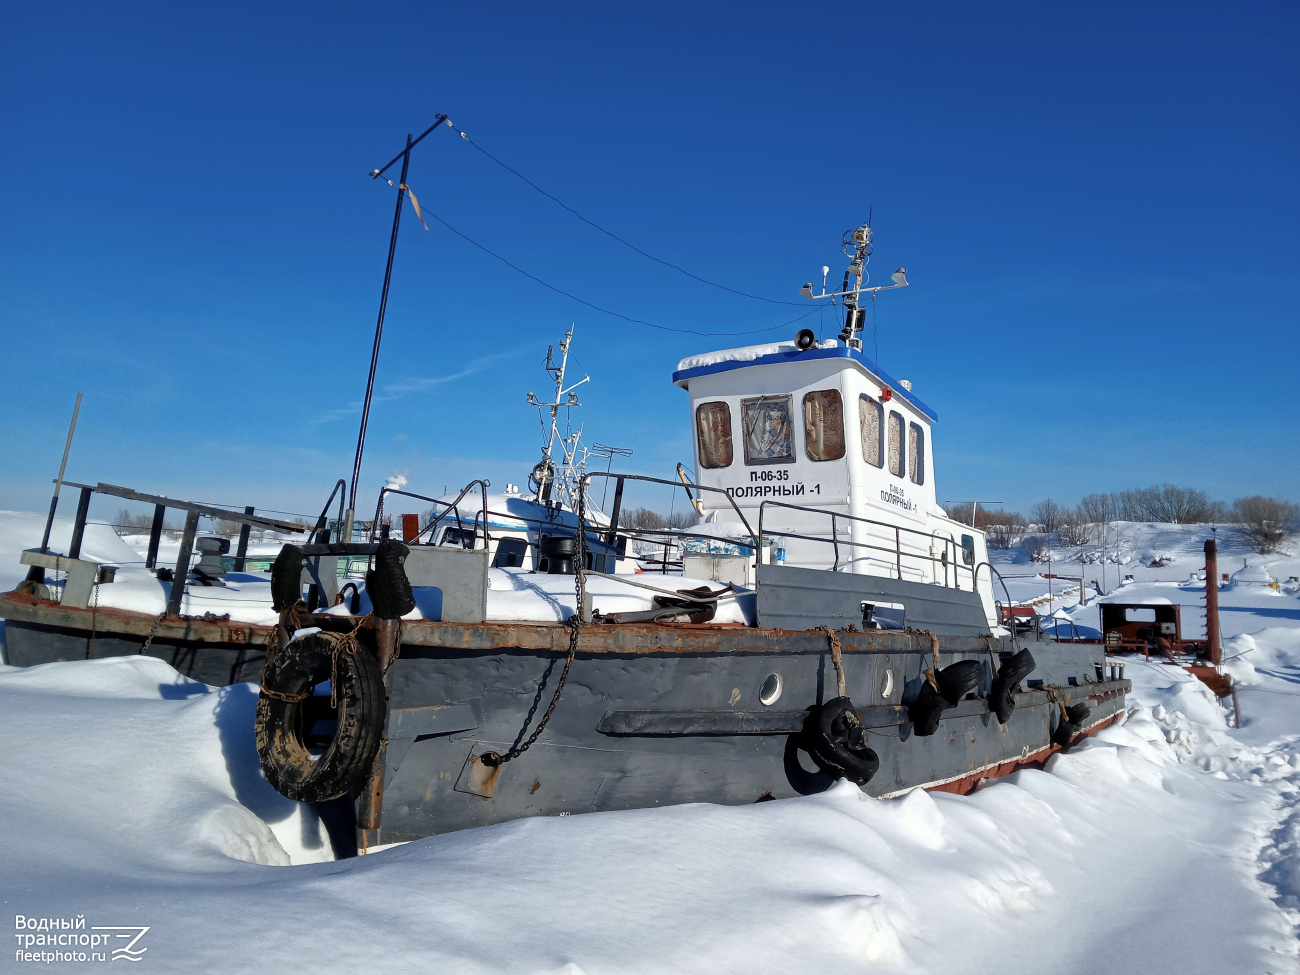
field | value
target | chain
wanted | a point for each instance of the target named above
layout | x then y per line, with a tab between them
574	624
94	608
837	657
348	642
153	632
286	698
492	759
397	647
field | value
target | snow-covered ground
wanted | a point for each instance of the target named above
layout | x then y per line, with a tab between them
1171	843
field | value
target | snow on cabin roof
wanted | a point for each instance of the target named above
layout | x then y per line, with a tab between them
779	353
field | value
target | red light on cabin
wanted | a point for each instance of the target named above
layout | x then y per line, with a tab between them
886	395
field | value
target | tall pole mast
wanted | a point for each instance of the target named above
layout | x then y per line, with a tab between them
374	353
405	156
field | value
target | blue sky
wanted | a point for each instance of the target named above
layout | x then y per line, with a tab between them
1096	205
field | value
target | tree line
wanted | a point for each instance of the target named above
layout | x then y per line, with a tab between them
1262	522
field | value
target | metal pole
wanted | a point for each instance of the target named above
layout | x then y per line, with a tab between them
79	523
155	535
241	554
618	510
58	484
374	354
182	570
1212	601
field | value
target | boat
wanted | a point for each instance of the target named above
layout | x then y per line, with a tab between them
509	656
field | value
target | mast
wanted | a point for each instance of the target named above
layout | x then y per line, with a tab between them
544	472
853	314
402	190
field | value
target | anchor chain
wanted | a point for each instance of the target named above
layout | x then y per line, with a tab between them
494	760
575	623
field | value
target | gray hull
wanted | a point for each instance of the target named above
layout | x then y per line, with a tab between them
650	715
641	729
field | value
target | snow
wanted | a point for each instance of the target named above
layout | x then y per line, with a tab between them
1170	843
747	353
513	594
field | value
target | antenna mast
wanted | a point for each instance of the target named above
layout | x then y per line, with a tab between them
854	315
544	472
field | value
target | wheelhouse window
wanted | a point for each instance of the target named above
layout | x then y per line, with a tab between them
872	419
713	430
968	549
895	437
769	434
823	424
915	453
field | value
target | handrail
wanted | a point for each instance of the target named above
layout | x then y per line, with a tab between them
1015	639
897	550
453	506
324	512
613	527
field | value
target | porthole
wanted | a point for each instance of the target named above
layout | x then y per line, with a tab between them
887	685
770	692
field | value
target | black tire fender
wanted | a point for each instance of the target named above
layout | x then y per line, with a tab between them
361	712
834	739
387	585
1068	726
955	682
286	578
1002	696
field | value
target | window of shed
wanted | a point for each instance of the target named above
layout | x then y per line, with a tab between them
895	426
916	453
872	419
713	430
769	433
823	424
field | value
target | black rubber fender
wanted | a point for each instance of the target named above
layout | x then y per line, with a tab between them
955	682
279	728
834	739
959	679
389	589
1002	696
286	578
1068	726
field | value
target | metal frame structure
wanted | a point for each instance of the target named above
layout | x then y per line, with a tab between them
897	551
193	513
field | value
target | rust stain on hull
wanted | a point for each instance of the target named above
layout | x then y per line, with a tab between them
626	639
1035	760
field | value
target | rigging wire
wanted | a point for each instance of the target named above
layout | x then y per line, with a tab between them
611	234
605	311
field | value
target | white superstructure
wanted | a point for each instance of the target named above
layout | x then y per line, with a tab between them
796	432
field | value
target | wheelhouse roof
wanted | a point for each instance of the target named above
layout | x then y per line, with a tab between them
785	352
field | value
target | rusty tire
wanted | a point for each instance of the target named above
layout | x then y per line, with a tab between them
280	732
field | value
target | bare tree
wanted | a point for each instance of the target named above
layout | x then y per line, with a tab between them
1074	528
681	520
228	527
1098	509
1047	514
1008	534
1037	548
132	522
1263	522
642	519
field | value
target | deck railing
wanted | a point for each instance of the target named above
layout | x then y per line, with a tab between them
926	553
